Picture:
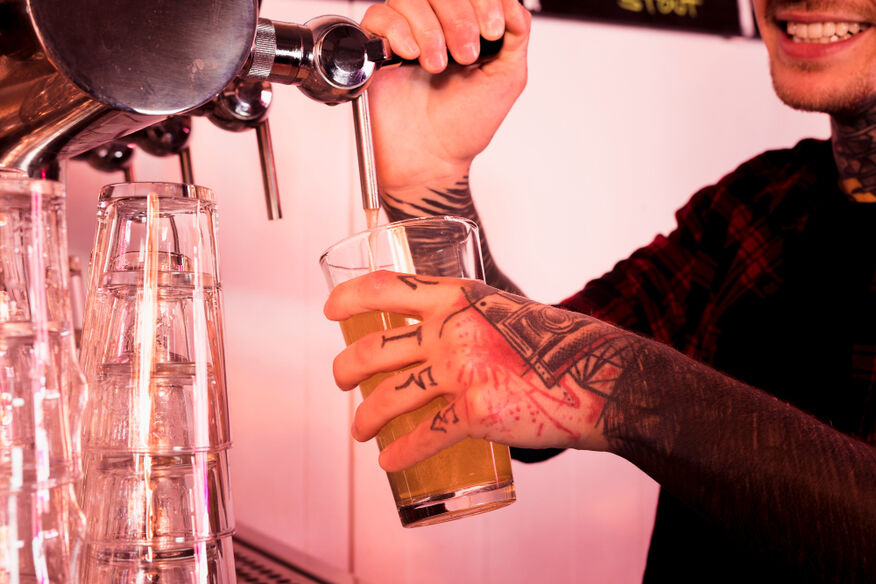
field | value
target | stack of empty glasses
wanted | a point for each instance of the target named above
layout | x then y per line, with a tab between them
41	388
156	484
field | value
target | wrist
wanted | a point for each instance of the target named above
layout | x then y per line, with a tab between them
449	195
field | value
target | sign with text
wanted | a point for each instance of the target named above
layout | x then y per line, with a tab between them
710	16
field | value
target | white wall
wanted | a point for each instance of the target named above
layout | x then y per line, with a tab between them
618	127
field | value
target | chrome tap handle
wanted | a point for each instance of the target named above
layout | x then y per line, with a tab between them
330	58
242	105
115	155
326	57
169	137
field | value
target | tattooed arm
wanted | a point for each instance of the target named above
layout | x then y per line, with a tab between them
455	200
535	376
430	123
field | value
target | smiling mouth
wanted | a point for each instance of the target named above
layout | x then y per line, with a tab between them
822	32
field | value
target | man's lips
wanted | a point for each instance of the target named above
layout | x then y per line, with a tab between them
805	35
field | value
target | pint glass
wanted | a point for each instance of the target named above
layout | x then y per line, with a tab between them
472	476
156	485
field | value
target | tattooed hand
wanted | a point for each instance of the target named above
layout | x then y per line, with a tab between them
428	128
515	371
529	375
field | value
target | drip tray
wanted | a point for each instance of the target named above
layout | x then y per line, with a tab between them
260	559
254	567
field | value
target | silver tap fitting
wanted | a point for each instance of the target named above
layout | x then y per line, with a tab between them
329	58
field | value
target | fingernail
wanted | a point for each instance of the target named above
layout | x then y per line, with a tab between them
469	52
435	61
495	27
410	49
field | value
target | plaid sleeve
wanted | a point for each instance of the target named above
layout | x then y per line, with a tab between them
662	286
729	242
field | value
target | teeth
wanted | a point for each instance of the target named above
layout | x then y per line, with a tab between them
823	32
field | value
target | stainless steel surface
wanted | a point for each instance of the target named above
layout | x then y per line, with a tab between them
185	166
114	156
146	57
282	52
169	137
269	170
242	105
327	57
44	116
365	153
75	74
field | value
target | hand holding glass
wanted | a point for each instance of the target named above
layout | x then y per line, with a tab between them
472	476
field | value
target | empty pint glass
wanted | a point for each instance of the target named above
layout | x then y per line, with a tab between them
41	388
156	487
472	476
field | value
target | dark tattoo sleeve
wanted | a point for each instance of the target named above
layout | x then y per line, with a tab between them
456	201
772	477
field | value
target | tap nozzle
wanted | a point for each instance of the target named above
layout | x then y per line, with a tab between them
365	153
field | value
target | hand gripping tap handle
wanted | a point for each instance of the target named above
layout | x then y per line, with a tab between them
331	60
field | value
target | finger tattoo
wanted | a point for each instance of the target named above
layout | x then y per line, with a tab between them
444	418
418	333
421	379
413	281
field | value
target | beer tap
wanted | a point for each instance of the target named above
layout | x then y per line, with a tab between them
242	105
115	155
169	137
79	74
332	60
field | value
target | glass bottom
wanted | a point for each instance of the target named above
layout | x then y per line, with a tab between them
210	562
457	504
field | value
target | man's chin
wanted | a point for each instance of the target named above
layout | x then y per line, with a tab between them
850	100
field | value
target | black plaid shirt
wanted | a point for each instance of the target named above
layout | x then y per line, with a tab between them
769	277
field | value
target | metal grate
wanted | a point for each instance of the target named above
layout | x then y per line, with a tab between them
256	567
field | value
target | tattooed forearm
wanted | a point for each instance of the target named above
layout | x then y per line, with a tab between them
772	477
457	201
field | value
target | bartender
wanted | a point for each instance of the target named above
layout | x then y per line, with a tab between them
733	360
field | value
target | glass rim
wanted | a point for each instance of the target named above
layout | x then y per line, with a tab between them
140	189
8	172
397	225
21	184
